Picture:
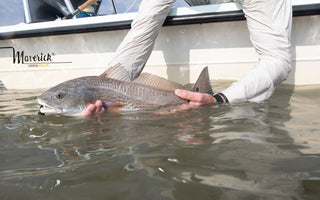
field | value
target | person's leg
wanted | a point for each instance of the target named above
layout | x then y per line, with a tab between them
134	51
269	24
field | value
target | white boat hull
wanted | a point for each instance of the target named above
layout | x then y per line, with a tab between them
179	54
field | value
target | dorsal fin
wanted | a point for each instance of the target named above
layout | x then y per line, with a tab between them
117	72
203	84
157	82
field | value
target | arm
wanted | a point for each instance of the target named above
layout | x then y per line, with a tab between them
269	24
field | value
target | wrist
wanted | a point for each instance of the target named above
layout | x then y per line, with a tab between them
220	98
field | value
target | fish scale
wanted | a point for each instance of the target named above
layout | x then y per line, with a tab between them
147	92
134	95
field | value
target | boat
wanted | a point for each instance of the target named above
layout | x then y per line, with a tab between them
36	55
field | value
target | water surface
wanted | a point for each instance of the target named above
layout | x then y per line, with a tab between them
246	151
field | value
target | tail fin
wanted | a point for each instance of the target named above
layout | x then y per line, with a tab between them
203	85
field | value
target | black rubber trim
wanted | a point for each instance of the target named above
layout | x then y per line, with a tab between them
303	10
205	18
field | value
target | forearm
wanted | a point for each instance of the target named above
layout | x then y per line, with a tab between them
269	24
260	82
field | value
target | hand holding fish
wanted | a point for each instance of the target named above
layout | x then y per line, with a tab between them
95	107
86	95
195	99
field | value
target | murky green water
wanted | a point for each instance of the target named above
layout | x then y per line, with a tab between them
244	151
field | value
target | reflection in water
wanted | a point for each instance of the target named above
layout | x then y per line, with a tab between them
243	151
241	161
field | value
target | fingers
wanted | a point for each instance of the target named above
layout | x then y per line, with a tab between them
99	106
195	98
95	107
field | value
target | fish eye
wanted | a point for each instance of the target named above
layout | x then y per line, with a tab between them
59	96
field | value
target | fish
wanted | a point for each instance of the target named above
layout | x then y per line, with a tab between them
145	93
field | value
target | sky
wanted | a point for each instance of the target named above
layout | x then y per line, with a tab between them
11	12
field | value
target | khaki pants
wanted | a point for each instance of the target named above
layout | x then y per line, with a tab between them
269	24
135	49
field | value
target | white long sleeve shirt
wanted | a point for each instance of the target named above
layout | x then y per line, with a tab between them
269	24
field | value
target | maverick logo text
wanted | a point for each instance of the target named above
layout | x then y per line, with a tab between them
21	57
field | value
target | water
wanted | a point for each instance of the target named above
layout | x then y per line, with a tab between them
244	151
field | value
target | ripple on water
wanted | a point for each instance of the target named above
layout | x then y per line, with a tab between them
263	150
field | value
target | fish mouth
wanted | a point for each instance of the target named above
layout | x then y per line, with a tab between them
46	108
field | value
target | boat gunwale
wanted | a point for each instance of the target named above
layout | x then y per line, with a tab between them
86	26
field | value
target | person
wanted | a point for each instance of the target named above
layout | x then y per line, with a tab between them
84	8
269	24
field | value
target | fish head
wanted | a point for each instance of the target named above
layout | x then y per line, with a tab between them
68	98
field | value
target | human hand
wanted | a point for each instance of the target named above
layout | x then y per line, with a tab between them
94	107
195	98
